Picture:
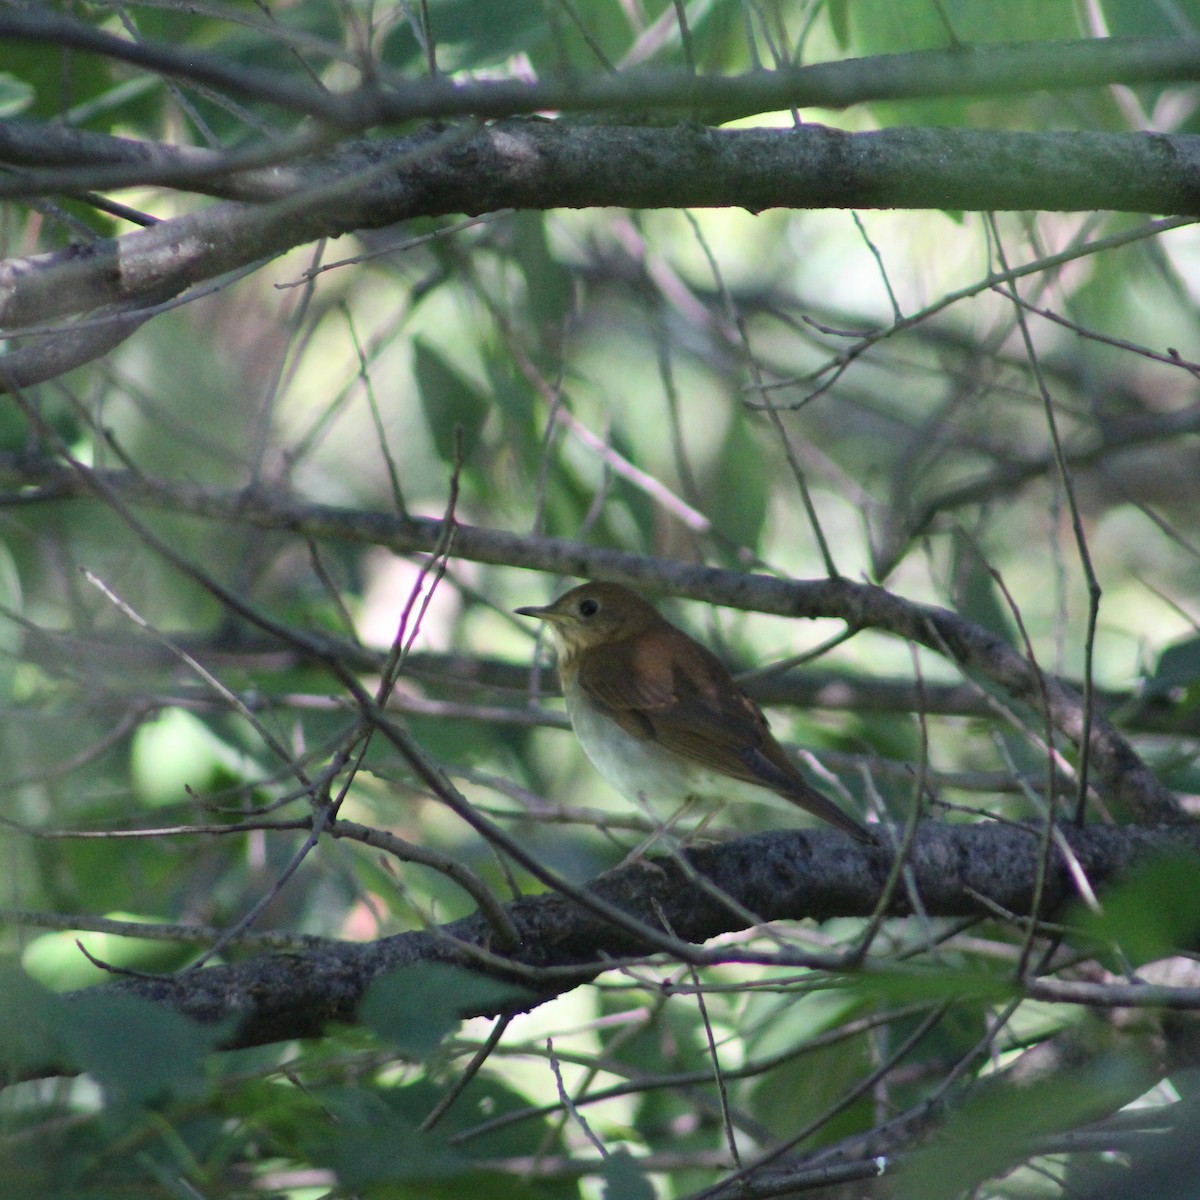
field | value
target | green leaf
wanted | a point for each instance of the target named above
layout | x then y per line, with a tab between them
594	25
175	751
738	498
388	1148
415	1006
139	1051
972	981
398	1112
1150	18
450	401
717	43
15	95
1178	667
623	1178
799	1091
377	1139
12	637
521	433
31	1021
55	959
34	76
977	595
839	20
1153	913
470	34
894	26
548	285
998	1127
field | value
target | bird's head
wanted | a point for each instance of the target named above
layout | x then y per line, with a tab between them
593	615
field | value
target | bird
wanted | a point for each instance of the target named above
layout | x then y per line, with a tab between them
659	714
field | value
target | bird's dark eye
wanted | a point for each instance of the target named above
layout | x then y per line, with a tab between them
589	607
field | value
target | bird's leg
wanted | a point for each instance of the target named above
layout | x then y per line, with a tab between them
709	817
661	831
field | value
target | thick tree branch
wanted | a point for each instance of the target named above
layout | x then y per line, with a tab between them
957	870
543	165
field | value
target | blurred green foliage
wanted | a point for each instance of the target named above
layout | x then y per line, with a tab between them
662	383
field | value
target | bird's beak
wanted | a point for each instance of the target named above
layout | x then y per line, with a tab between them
541	614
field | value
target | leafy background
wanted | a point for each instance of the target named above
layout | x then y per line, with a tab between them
598	375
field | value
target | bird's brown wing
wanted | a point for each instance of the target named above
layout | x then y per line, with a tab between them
699	713
631	681
744	748
691	707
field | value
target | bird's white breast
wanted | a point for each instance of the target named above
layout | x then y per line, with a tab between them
642	770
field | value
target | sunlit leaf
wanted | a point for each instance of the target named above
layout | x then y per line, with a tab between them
175	752
56	960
